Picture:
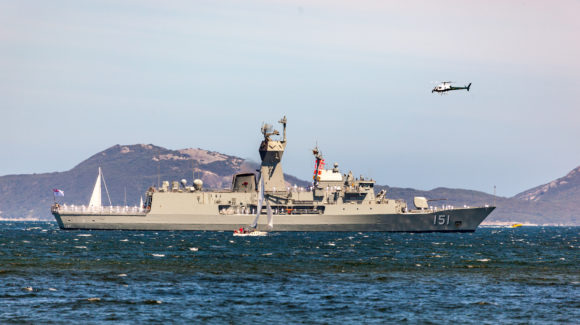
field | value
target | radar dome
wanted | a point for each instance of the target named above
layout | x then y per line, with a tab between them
198	184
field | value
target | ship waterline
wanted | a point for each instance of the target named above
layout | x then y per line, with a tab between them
334	202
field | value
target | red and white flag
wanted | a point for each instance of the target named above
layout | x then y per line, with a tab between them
57	192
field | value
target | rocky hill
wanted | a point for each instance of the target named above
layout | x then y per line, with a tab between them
561	190
129	170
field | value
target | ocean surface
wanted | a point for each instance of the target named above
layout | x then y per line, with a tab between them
495	275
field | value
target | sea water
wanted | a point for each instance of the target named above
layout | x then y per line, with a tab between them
495	275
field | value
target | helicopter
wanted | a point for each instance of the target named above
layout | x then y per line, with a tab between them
445	86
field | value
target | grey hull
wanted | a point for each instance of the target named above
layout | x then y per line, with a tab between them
456	220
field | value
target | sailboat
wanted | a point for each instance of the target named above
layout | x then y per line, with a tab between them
253	231
96	208
95	202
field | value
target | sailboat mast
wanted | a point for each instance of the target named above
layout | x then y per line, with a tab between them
270	216
260	202
106	189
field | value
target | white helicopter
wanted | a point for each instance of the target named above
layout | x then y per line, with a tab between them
445	86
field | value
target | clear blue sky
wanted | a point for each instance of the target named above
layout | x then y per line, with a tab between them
77	77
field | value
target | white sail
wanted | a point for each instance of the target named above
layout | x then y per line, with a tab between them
96	197
260	202
141	205
270	216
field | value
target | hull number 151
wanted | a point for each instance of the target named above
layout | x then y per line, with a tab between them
441	219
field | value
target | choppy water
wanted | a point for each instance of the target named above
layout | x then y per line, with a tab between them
521	275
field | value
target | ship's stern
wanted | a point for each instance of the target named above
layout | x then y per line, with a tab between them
54	209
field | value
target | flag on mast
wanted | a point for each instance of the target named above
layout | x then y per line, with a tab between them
57	192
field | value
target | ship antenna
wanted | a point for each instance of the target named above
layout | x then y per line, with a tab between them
283	121
318	164
158	173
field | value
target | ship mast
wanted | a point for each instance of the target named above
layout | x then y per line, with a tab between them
271	152
318	165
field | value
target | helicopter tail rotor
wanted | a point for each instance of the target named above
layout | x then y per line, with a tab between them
468	86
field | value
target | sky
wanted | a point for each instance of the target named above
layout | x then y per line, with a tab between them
354	77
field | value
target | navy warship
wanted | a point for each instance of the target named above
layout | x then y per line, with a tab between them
334	202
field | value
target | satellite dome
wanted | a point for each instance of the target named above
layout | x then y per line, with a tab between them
198	184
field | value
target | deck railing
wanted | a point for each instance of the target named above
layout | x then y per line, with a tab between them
98	210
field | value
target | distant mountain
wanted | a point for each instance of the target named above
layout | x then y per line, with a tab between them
129	170
562	190
560	198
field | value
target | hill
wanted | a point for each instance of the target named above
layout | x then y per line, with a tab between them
561	190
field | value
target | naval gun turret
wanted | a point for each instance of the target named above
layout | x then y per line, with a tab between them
271	152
